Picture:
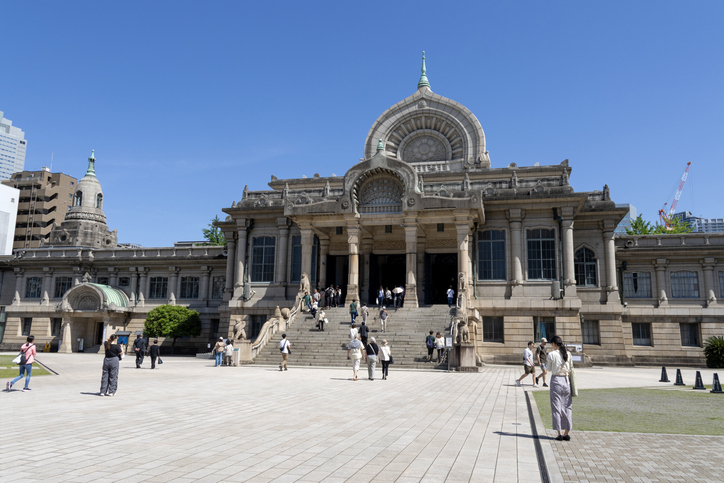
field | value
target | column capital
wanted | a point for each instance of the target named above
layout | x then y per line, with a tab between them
567	212
283	222
515	214
19	271
567	224
48	271
660	263
708	263
173	270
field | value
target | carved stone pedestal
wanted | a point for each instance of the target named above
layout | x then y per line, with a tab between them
466	356
244	347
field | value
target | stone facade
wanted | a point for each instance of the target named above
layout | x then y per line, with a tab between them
527	255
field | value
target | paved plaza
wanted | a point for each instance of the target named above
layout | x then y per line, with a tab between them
189	421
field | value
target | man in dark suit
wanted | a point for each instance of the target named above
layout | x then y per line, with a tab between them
139	345
364	332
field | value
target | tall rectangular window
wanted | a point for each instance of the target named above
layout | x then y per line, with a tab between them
262	259
34	287
721	285
637	285
3	320
315	250
589	330
189	287
541	254
214	329
257	322
27	325
684	285
296	258
158	288
493	329
62	285
543	327
217	290
491	255
690	335
55	326
641	333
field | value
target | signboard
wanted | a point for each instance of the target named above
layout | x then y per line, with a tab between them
448	342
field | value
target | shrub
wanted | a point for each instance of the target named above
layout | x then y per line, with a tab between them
714	352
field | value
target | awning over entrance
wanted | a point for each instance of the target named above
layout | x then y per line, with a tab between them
94	297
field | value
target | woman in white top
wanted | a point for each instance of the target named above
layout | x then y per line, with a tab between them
440	346
559	365
385	356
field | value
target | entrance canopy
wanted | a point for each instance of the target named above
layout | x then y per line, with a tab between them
94	297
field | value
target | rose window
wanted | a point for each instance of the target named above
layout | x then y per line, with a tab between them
381	195
424	148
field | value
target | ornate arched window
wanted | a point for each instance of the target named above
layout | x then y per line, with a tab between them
78	198
99	201
381	194
585	265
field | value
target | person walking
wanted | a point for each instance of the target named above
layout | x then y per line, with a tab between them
27	357
560	365
430	344
321	320
228	352
388	297
440	346
380	297
540	359
528	365
353	310
385	357
372	351
356	350
285	349
450	296
364	332
383	318
306	301
364	312
109	378
219	351
139	347
155	353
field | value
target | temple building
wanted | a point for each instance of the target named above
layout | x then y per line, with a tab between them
426	210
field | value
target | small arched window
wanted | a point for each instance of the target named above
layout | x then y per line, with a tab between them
585	265
99	200
78	198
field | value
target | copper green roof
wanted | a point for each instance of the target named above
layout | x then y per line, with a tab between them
91	164
423	78
113	295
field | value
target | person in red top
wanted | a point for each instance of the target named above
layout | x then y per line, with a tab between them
29	350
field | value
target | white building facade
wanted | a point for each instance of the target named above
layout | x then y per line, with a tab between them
12	148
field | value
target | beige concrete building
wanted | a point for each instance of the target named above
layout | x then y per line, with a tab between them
44	199
527	255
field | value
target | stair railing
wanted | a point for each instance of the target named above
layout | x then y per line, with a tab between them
271	326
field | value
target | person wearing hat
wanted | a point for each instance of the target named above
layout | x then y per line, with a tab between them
219	351
540	357
383	318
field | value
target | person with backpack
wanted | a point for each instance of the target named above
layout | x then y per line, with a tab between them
27	357
430	344
285	349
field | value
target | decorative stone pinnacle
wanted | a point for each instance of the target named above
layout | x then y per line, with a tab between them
423	78
91	164
380	145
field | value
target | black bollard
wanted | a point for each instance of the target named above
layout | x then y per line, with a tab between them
699	383
664	376
716	387
679	379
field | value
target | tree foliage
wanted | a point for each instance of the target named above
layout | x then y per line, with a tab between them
172	321
213	234
639	226
714	352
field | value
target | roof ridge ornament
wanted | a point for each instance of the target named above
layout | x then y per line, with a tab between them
423	78
380	145
91	164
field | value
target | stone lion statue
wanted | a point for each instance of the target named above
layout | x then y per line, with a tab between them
239	330
304	284
463	332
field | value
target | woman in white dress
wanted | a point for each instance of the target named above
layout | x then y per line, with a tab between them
560	365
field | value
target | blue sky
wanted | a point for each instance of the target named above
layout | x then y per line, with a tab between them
187	102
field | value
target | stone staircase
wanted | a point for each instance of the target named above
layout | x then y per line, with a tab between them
406	332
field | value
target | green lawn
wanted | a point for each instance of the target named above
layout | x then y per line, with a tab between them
643	411
11	370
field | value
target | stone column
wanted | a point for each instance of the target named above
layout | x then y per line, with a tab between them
323	252
230	262
204	288
240	255
113	276
516	250
19	276
142	285
708	266
365	291
172	281
135	288
463	230
47	282
307	240
411	264
420	279
353	240
569	273
610	251
283	253
106	330
66	344
660	264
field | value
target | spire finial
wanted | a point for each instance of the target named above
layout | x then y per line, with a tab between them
91	164
380	145
423	78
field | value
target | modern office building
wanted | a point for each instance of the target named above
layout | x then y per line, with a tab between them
12	148
626	222
8	212
45	198
701	225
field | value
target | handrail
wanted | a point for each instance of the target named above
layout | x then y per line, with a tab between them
271	325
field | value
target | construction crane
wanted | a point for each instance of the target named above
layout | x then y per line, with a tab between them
665	219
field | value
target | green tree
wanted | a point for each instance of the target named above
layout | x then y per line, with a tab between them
676	226
172	321
639	226
213	234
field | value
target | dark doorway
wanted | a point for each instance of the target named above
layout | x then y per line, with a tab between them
385	270
440	272
99	333
338	272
